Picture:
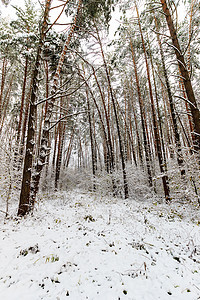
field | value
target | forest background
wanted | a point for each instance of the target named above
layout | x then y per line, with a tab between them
79	109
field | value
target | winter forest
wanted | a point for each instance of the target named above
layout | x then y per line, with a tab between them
100	150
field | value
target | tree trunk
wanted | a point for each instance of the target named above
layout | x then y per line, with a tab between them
45	134
126	194
3	77
59	154
24	126
186	77
6	103
61	128
143	119
24	204
172	107
155	124
22	100
111	152
92	144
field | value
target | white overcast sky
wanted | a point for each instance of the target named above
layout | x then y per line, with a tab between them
9	11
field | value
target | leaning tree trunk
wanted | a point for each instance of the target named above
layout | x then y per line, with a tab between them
45	134
172	106
185	75
154	117
24	204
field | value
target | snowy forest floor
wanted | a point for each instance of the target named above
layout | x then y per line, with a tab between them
83	246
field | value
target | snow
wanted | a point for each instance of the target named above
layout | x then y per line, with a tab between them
83	246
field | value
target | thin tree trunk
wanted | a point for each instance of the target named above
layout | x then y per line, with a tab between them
5	103
126	194
22	99
56	131
187	108
167	121
155	125
24	126
69	148
61	128
107	152
109	158
91	140
3	77
192	12
129	132
143	118
59	155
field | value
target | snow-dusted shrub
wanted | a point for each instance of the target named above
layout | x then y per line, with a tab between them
10	176
105	183
187	187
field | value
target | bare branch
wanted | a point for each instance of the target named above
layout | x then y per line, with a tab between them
185	100
67	116
64	5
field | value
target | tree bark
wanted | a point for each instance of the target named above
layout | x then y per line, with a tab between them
24	203
45	134
186	77
22	99
172	107
154	117
3	77
92	143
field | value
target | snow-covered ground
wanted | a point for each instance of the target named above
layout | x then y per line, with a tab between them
83	246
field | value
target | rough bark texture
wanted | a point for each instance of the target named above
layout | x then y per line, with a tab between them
24	204
45	134
185	74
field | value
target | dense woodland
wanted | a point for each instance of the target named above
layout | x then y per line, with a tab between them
114	116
